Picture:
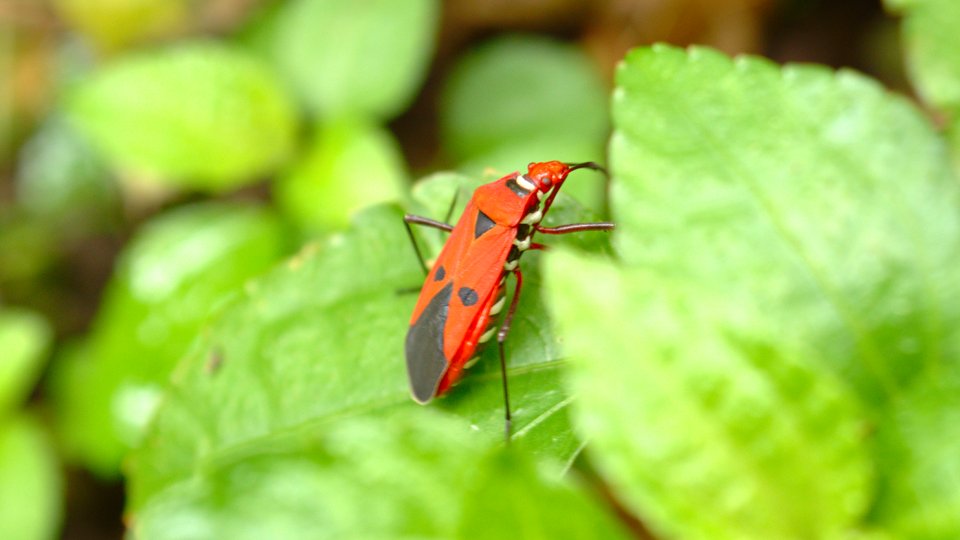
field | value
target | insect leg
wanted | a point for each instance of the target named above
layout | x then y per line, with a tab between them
501	337
576	227
420	220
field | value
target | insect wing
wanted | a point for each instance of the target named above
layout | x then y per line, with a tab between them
465	274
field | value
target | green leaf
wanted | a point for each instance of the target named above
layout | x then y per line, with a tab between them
178	270
30	484
705	420
810	192
61	180
346	58
321	339
350	165
505	502
524	91
202	115
521	99
933	56
919	447
932	48
409	474
24	340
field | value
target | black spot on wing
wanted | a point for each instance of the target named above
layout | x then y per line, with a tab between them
426	362
468	296
439	274
515	187
484	224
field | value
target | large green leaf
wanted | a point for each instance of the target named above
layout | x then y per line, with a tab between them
174	274
30	484
787	226
321	339
348	166
347	58
24	339
200	115
400	476
704	417
814	193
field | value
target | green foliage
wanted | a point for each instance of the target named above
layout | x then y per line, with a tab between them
29	479
520	99
24	339
791	279
30	485
409	475
279	360
353	59
524	99
113	24
202	115
178	270
932	47
62	181
348	166
730	417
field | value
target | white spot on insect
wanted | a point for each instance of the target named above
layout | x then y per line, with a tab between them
522	245
532	217
498	306
525	183
487	335
511	265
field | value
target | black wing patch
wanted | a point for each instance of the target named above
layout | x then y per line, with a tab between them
426	363
484	224
440	274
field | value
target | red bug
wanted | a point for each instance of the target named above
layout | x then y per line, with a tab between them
465	291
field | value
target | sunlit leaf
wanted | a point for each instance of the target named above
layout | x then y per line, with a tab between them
174	274
358	59
348	166
30	484
200	115
24	340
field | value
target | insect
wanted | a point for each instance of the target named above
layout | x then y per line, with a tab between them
465	289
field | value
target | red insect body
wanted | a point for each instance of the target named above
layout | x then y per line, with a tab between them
464	291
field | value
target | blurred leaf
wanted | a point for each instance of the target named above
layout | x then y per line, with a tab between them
322	339
400	476
174	274
789	220
203	116
712	424
520	99
932	46
350	165
810	192
357	59
24	340
114	24
30	490
60	179
505	502
920	448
